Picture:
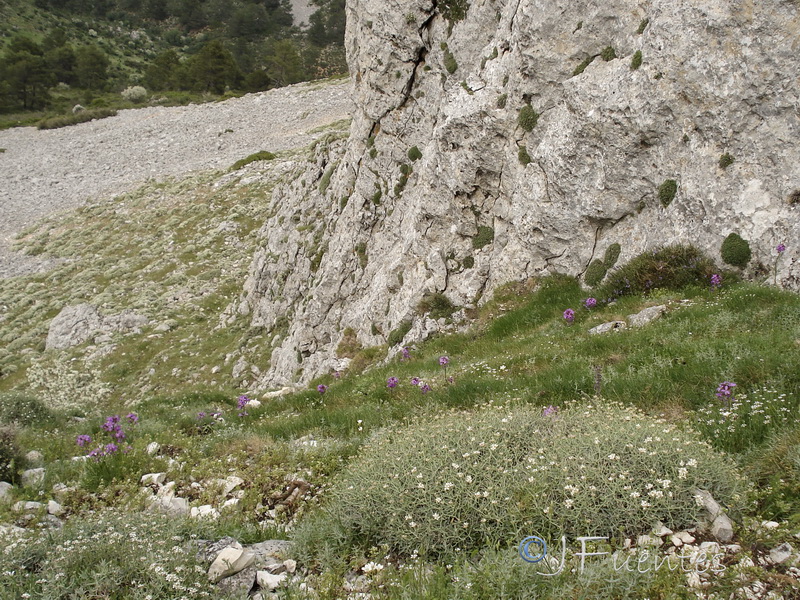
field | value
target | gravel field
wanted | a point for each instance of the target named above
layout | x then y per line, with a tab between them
45	172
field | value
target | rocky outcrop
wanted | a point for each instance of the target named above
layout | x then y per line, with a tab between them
496	140
76	324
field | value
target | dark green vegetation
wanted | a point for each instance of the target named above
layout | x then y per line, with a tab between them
735	251
725	161
667	191
523	156
414	154
55	54
636	61
73	119
608	53
527	117
484	237
582	67
262	155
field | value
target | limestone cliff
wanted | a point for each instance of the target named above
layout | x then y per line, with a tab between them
495	140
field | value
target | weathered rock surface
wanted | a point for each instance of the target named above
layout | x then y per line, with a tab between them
77	324
430	195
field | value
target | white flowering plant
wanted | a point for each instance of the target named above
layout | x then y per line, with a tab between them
464	481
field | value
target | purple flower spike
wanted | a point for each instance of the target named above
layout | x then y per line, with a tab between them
415	381
322	388
725	391
392	382
242	402
406	352
83	439
110	448
132	418
569	315
590	302
425	388
443	360
550	411
716	280
780	249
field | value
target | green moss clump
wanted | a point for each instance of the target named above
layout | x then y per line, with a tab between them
636	61
326	179
263	155
642	26
361	252
468	262
595	273
450	62
436	305
735	251
484	237
612	255
725	161
501	100
527	118
454	10
373	152
397	334
608	53
667	191
414	153
523	156
582	67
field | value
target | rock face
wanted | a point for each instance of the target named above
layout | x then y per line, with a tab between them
77	324
496	140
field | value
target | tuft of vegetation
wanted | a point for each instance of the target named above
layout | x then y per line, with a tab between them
735	251
23	410
454	10
523	156
642	26
794	197
361	252
612	255
667	191
398	333
450	61
595	272
436	306
262	155
414	153
582	67
670	267
325	182
135	94
636	61
608	53
501	100
484	237
725	161
466	481
468	262
76	118
527	118
10	455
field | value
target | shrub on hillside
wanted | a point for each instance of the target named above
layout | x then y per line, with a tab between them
527	118
135	94
671	267
262	155
74	119
489	478
10	455
735	251
23	410
595	272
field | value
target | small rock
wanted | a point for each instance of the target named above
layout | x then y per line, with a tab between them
781	554
240	583
229	562
646	316
167	490
606	327
153	448
54	508
707	501
32	477
5	492
204	512
722	528
208	550
291	566
254	404
770	525
268	581
153	479
648	540
661	530
27	507
230	502
710	547
682	537
229	484
34	457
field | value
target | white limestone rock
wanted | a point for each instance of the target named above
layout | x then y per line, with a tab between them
229	562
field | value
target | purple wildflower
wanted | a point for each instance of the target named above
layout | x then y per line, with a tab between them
569	315
415	381
725	391
550	411
716	281
392	382
425	388
336	374
201	415
110	449
406	352
444	361
781	248
133	418
110	423
590	302
322	388
242	402
119	434
83	439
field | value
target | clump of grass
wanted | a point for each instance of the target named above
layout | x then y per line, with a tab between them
725	161
10	455
450	61
484	237
74	119
528	118
775	468
414	153
642	26
794	197
608	53
671	267
262	155
397	334
436	306
595	272
523	156
636	61
501	100
325	182
735	251
470	480
611	256
582	67
667	191
23	410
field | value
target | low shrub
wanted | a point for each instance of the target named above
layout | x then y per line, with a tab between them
667	191
398	333
582	67
735	251
523	156
436	305
612	255
23	410
642	26
725	161
671	267
484	237
262	155
414	153
775	469
76	118
595	272
450	61
501	100
464	481
468	262
608	53
636	61
794	197
10	455
527	118
135	94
